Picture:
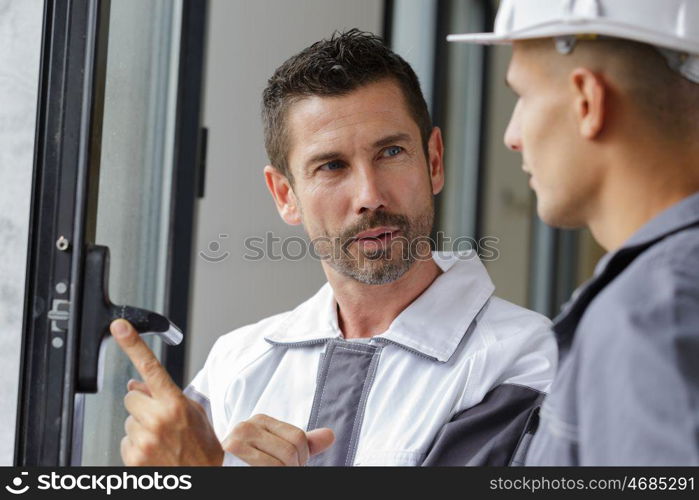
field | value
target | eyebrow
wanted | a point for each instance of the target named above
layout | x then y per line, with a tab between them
388	140
322	158
327	156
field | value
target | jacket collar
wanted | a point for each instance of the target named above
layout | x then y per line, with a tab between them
433	325
680	215
674	219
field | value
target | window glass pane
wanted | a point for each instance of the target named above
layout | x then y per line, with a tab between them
134	191
20	52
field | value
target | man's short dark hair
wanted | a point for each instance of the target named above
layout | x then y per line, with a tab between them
335	67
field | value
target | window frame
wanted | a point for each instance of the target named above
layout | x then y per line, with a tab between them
63	204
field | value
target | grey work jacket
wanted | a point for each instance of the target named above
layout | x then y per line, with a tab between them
627	389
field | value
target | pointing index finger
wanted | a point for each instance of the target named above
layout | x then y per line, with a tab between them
143	359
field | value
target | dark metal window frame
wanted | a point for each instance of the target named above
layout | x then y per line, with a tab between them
189	179
71	84
63	210
387	25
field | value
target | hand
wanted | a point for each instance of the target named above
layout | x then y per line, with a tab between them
164	427
263	440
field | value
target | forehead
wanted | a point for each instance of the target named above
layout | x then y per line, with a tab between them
320	122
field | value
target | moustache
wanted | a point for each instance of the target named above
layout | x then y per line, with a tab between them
375	220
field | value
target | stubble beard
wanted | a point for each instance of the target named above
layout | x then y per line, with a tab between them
387	264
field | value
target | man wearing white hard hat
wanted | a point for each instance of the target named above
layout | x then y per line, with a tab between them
607	123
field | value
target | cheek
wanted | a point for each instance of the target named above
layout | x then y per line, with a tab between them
322	209
403	193
411	186
545	136
413	182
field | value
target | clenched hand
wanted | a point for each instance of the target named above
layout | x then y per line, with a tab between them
263	440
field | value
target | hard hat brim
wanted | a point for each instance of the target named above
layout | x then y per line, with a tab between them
480	38
561	28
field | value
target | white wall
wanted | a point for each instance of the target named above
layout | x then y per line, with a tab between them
20	45
247	41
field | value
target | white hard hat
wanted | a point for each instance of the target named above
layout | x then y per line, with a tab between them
670	25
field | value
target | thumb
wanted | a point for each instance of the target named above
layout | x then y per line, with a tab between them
319	440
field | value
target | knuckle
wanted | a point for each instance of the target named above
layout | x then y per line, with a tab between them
175	409
128	423
182	402
258	418
129	454
235	445
148	445
289	455
156	427
130	402
298	438
136	457
160	422
149	365
124	445
243	429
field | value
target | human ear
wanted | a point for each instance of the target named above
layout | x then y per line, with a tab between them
435	149
283	194
590	93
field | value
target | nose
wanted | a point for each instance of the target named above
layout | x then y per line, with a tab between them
369	189
513	136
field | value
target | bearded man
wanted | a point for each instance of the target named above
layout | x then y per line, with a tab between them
403	357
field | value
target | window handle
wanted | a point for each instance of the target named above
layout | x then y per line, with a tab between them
97	314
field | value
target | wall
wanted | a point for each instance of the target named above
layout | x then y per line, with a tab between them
247	41
20	45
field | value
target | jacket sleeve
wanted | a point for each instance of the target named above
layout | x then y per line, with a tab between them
203	387
497	430
198	391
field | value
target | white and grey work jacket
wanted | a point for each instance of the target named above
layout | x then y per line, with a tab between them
454	380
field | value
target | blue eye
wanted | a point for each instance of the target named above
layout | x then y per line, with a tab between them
392	151
332	165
